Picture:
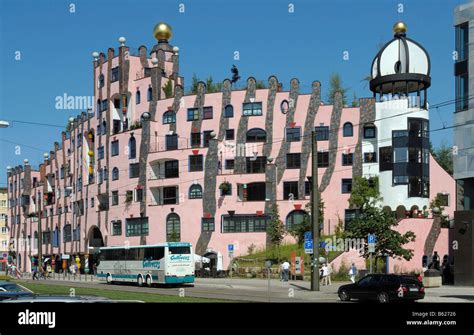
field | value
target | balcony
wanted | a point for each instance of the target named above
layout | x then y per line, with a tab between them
163	169
164	196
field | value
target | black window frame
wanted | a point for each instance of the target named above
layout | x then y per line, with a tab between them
347	159
293	134
171	142
196	163
293	160
323	159
290	187
172	169
322	133
346	185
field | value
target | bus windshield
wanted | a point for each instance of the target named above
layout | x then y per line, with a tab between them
179	250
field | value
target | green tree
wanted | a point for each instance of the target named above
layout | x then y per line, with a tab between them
260	84
298	230
173	236
335	85
275	230
194	84
355	101
444	156
372	219
168	89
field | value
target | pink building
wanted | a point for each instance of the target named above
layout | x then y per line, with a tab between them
151	164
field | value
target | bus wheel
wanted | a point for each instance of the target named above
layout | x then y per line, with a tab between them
140	280
108	279
148	281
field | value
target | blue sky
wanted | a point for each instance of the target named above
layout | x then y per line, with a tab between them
56	47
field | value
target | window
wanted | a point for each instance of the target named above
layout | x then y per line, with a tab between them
67	233
226	188
172	142
322	133
418	128
195	140
115	198
400	155
414	155
229	164
293	134
100	82
347	130
255	191
244	223
290	190
132	147
347	159
229	111
117	103
370	157
369	131
100	152
385	154
462	92
115	148
105	104
296	217
116	228
208	224
399	133
256	135
138	195
169	117
115	173
138	99
195	191
193	114
195	163
323	159
207	113
307	188
346	185
149	94
443	198
114	75
256	164
229	134
116	125
293	161
137	227
462	41
173	228
284	106
170	195
400	180
252	108
349	215
172	169
207	137
134	170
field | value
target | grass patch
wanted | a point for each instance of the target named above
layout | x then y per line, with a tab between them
111	294
3	277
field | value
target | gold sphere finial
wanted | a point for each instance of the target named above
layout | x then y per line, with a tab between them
399	27
162	32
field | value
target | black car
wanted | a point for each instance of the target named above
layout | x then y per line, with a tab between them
9	290
384	288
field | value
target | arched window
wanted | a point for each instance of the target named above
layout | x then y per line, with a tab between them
99	106
149	95
132	148
370	131
296	217
348	130
195	191
256	135
169	117
173	228
100	82
138	97
229	111
115	173
106	173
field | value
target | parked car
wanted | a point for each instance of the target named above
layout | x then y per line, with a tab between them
9	290
384	288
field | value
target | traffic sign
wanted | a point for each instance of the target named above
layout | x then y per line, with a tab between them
308	246
230	247
308	235
371	242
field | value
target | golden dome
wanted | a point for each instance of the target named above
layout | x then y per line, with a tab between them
162	31
399	27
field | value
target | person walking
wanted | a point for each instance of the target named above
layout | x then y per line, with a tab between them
286	270
353	272
324	274
328	278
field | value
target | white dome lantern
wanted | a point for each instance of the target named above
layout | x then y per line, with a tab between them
401	66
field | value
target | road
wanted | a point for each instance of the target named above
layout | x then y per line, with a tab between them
256	290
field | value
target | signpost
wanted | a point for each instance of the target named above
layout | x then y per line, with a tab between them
230	249
268	265
371	246
308	243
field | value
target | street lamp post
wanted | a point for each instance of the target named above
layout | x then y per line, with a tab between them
314	214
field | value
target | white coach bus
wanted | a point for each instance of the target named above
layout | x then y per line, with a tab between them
164	263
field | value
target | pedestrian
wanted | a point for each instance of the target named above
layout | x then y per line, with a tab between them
353	272
281	271
328	278
286	270
324	274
